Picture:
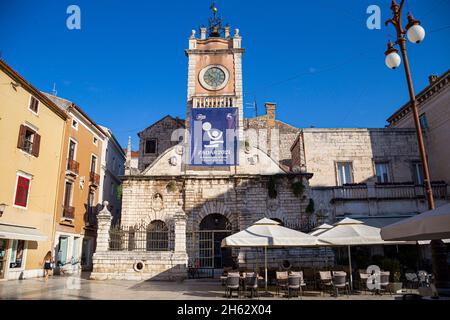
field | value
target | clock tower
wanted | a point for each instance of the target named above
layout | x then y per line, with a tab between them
215	70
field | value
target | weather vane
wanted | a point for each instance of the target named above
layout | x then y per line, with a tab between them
215	23
214	9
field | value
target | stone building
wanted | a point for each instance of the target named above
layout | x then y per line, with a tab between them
434	113
156	139
175	213
368	174
112	167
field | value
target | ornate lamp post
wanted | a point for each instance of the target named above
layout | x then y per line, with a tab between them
415	33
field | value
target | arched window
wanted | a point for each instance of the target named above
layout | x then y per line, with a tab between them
157	236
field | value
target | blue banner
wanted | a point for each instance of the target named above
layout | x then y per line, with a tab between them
214	137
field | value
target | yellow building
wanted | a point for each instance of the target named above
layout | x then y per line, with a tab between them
32	130
79	189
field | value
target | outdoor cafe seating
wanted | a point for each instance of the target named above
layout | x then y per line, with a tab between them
241	282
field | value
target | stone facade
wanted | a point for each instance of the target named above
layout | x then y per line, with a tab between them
434	110
123	265
160	132
271	135
320	149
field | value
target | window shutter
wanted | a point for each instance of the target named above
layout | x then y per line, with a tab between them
23	185
21	136
36	145
36	105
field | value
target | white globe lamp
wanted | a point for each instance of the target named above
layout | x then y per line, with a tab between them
393	59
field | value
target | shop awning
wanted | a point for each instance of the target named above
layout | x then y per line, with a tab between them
8	231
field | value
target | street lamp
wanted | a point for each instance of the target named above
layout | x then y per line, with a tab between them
393	60
416	33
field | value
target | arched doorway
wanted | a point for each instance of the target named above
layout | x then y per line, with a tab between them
212	230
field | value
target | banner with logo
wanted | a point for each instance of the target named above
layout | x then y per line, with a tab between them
214	137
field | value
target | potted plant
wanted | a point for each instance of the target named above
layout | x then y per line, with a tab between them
394	267
397	285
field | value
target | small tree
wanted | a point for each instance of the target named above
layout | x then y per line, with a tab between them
119	192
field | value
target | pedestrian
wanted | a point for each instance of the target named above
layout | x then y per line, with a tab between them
48	264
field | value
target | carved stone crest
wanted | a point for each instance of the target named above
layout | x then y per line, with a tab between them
157	202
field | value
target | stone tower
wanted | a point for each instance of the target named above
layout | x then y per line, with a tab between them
215	69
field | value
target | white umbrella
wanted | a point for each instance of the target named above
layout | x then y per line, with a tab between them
350	232
430	225
320	229
268	233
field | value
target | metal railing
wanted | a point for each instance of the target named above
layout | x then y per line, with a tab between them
388	191
142	239
94	178
73	166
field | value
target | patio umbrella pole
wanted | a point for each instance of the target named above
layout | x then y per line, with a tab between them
265	265
350	268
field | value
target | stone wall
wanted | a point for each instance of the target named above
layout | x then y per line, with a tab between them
362	147
242	200
121	265
138	265
161	131
273	136
434	104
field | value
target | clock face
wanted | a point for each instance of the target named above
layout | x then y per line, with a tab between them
214	77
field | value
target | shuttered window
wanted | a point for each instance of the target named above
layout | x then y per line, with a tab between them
29	141
34	104
23	186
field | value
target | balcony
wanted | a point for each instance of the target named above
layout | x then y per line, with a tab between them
389	191
68	213
94	178
73	167
214	102
374	199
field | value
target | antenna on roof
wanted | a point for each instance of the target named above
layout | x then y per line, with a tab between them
253	105
54	92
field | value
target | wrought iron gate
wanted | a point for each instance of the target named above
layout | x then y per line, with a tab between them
205	252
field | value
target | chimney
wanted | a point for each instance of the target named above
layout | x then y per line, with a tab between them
227	32
270	112
433	78
270	116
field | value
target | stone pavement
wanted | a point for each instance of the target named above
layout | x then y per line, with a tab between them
76	288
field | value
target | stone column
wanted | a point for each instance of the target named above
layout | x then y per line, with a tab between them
180	232
104	225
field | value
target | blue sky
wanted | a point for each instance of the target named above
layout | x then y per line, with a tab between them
316	59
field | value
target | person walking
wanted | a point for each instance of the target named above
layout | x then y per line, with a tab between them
48	264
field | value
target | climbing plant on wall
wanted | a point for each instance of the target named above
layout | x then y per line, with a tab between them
298	188
272	187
